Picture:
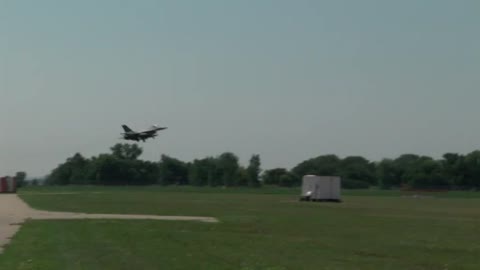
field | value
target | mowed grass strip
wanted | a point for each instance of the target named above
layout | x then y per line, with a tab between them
257	231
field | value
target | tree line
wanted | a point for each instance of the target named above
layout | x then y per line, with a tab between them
122	166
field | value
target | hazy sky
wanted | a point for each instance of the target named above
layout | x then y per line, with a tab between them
288	80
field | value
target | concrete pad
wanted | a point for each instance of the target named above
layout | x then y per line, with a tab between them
14	211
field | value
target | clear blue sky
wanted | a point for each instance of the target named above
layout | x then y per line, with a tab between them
288	80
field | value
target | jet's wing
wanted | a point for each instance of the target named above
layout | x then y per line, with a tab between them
152	131
147	132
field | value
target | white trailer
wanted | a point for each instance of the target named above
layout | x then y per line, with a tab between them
321	188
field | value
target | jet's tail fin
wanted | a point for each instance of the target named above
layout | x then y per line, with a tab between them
126	128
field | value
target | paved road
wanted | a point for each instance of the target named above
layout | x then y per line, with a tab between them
14	211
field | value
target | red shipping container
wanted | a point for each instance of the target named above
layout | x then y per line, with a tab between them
3	185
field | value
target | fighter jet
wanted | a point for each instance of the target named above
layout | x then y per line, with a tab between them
140	135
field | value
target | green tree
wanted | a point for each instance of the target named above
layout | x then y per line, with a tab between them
358	169
242	178
472	169
272	177
204	172
454	169
109	170
387	174
126	151
173	171
228	165
77	164
287	180
62	174
20	178
426	172
321	165
403	164
253	171
148	172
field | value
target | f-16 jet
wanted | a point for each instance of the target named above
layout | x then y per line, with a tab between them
141	135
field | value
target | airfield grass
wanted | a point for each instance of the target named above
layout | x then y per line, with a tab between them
264	228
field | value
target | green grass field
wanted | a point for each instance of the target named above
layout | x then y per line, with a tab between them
264	228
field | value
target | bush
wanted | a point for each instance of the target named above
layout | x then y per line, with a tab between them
354	184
